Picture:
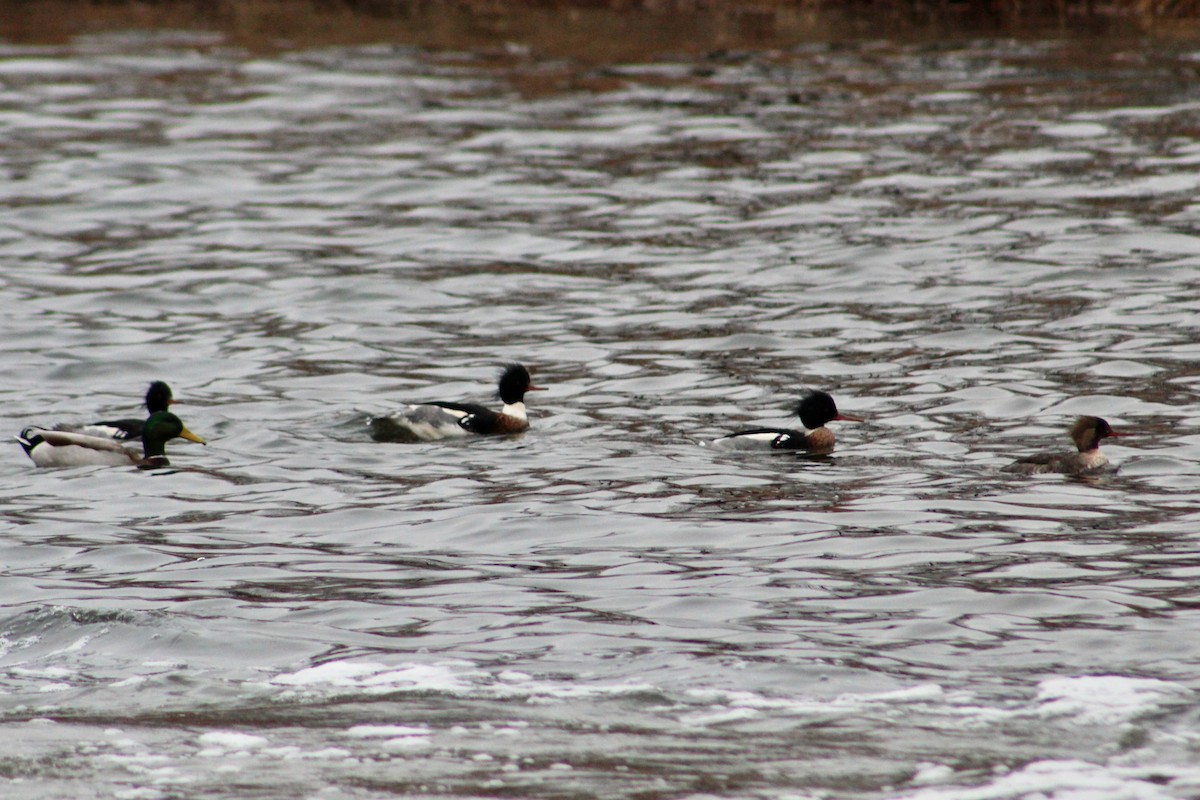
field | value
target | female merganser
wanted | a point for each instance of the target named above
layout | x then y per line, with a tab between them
51	448
428	422
158	397
814	409
1086	433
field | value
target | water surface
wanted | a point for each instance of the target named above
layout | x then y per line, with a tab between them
967	244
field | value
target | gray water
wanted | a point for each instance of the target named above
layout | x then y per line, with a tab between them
966	244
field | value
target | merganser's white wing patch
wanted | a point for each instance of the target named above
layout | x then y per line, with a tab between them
430	423
755	440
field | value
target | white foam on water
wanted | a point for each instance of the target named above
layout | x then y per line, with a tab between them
1069	779
42	672
373	678
138	793
395	737
1107	699
232	740
928	774
921	693
7	644
949	710
459	678
385	731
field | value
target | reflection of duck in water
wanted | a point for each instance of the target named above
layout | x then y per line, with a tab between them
428	422
50	448
1086	433
814	409
158	397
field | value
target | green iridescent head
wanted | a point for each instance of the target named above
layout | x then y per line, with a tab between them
162	427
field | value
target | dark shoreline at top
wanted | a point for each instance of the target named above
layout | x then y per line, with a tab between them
590	30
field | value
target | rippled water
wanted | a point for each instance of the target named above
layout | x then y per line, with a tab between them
967	244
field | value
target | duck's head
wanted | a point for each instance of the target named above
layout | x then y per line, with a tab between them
162	427
817	408
514	383
1088	431
158	397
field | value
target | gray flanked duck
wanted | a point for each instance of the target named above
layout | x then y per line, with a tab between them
58	448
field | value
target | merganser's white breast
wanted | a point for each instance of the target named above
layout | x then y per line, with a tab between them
515	410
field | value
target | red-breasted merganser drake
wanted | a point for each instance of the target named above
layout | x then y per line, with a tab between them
54	448
1086	433
814	409
158	398
429	422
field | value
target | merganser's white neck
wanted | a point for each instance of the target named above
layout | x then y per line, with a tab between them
515	410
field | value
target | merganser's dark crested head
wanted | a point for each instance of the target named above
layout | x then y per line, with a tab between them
1088	431
817	408
158	397
514	383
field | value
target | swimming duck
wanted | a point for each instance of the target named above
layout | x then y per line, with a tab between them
815	409
428	422
1086	433
158	397
54	448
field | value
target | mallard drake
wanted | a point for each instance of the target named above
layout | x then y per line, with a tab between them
1086	433
427	422
814	409
158	398
54	448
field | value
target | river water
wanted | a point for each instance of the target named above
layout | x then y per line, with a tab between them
967	244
